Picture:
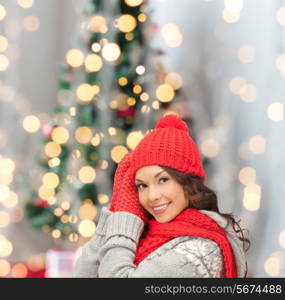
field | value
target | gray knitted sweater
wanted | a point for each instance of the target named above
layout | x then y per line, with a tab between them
111	252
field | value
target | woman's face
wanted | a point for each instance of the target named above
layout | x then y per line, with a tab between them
161	195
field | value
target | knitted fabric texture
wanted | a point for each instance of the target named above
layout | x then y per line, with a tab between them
125	196
189	222
169	145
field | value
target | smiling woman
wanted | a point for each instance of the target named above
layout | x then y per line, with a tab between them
163	221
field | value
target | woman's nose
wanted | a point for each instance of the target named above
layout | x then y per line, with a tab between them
153	193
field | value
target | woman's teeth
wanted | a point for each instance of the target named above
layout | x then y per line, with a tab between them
160	207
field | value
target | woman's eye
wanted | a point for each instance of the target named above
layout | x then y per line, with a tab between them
163	179
140	186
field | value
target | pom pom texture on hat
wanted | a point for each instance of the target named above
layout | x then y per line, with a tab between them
172	121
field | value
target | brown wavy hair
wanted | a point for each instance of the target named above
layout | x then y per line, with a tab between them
201	197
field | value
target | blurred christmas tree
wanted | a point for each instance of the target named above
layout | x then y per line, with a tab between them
113	88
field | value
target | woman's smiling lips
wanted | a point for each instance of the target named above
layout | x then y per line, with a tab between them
159	209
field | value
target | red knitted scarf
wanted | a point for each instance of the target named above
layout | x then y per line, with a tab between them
189	222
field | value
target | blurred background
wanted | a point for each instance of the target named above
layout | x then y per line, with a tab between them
81	82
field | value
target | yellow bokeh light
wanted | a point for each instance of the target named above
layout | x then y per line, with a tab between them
96	140
142	17
4	267
137	89
251	197
87	211
257	144
247	93
280	16
145	109
52	149
74	57
131	101
31	123
144	96
31	23
19	271
73	237
4	192
134	138
155	104
65	205
174	80
3	43
129	36
126	23
87	228
231	16
6	247
281	238
247	175
87	174
103	198
60	135
123	81
118	152
4	219
111	52
7	165
104	164
73	219
133	3
93	63
26	3
58	212
54	162
72	111
112	131
98	24
83	135
272	266
45	192
85	92
11	201
172	35
2	12
56	234
236	84
210	148
246	53
164	93
50	180
4	62
275	112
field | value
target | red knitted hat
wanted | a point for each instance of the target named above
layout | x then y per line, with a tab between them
169	145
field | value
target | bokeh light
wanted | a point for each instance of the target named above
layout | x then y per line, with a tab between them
111	52
93	63
165	93
172	35
133	139
126	23
118	152
50	180
87	174
74	57
83	135
60	135
275	112
86	228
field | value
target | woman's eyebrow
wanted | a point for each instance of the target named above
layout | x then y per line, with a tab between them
154	176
